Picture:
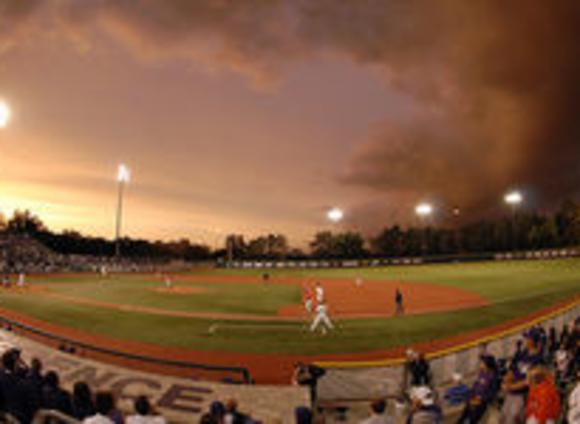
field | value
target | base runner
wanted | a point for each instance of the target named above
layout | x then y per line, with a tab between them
321	319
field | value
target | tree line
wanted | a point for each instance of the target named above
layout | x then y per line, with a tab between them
520	231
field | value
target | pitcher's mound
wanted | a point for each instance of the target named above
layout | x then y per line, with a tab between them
179	290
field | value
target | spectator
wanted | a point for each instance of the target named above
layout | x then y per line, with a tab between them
34	374
207	418
515	384
53	396
144	413
458	393
423	407
218	411
105	409
233	416
543	405
574	404
82	401
308	375
303	415
378	416
482	392
17	397
417	369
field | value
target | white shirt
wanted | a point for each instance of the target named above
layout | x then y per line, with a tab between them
98	419
321	309
574	406
145	419
319	294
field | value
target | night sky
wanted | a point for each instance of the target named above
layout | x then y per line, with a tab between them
256	116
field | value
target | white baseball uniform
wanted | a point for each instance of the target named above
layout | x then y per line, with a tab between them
319	294
321	318
21	280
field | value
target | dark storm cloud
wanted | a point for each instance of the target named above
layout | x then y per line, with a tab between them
14	16
496	84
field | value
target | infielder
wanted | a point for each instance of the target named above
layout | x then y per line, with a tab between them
321	318
358	281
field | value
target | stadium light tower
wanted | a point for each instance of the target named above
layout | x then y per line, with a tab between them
123	177
513	198
335	215
5	114
423	210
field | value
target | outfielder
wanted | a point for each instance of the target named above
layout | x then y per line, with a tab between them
167	280
321	318
21	280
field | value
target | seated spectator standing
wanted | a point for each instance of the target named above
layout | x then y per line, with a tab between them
53	396
308	375
515	384
458	393
378	416
482	392
423	407
417	369
82	401
144	413
543	405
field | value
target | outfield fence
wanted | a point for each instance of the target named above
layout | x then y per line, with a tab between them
418	260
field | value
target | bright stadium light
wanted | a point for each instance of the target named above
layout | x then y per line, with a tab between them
513	198
123	174
335	215
423	209
5	114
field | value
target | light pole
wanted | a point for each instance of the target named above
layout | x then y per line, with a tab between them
423	211
5	114
514	199
335	215
123	176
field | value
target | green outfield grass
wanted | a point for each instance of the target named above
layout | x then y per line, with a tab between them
512	288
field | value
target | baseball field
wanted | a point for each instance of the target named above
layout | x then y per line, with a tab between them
233	317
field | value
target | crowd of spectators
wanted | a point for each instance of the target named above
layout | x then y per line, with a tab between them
538	384
26	389
23	254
